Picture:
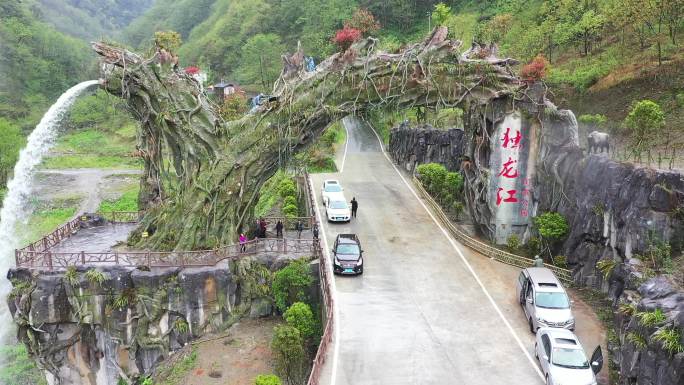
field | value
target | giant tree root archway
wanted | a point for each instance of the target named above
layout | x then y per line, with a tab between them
205	192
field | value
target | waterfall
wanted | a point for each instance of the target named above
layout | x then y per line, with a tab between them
14	207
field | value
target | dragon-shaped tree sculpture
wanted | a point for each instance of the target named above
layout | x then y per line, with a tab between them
203	174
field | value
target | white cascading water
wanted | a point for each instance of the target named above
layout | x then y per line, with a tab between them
14	207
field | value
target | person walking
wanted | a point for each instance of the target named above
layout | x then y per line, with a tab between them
243	243
262	228
315	231
279	229
538	261
300	228
355	206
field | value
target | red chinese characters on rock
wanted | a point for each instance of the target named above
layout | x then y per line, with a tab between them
524	206
509	170
509	142
510	199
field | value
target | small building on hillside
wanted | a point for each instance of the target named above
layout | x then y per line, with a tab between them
223	89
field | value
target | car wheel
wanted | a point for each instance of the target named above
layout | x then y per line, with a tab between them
548	380
536	355
532	327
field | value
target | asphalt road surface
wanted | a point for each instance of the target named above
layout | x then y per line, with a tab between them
418	314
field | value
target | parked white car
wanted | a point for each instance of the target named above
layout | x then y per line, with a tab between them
543	299
562	358
338	210
332	190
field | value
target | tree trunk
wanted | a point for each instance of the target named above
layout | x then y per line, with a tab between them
219	167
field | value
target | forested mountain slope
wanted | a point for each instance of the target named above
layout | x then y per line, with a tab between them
89	19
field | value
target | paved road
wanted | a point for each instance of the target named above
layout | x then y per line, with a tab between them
417	315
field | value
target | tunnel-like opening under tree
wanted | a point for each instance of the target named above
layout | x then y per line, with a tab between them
204	193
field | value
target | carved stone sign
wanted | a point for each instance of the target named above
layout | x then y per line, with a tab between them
509	182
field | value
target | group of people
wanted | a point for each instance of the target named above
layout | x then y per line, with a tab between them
261	227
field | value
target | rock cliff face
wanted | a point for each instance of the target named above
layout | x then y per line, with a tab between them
410	147
93	327
617	213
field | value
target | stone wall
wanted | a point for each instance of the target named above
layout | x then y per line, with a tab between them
85	332
410	146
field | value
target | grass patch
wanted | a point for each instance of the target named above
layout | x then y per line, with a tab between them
175	373
45	221
17	368
128	201
268	195
91	161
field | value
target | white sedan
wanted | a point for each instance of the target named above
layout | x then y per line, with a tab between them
338	211
562	358
332	190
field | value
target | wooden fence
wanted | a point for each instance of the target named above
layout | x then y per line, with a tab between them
564	275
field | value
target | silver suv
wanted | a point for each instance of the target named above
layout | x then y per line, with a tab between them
544	300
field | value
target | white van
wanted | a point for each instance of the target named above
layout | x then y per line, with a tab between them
544	300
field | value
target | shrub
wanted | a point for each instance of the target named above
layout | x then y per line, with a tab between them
290	283
441	14
660	254
606	267
290	200
289	354
345	37
286	187
267	379
454	183
290	211
95	277
234	106
364	21
513	243
627	309
300	316
432	175
670	339
595	121
651	318
458	208
637	340
561	261
645	119
535	70
329	138
551	225
533	246
181	326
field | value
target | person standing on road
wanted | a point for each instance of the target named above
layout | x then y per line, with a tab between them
243	243
279	229
354	206
300	228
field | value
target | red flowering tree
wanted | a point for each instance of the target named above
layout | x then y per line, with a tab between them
535	70
192	70
345	37
364	21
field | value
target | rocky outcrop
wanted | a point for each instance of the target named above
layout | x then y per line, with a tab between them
640	353
96	326
410	147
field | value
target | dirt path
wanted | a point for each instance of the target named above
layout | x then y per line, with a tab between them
237	358
88	186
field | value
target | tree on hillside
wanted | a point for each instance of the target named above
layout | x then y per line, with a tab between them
645	119
169	40
364	21
260	60
440	15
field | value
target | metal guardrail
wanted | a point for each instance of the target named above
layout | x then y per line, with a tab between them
564	275
326	338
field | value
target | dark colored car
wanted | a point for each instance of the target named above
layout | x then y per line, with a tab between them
347	255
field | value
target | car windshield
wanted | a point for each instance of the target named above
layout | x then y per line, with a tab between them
338	205
552	300
570	358
333	188
348	249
